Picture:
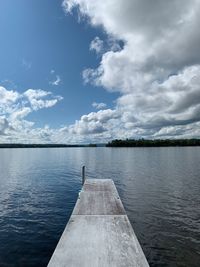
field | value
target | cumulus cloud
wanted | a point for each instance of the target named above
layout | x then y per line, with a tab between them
94	122
156	71
37	99
20	113
4	125
14	109
100	46
7	96
150	57
97	45
99	105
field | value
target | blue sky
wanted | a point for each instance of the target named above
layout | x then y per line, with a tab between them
82	71
40	42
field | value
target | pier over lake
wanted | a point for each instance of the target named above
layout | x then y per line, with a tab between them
159	188
98	231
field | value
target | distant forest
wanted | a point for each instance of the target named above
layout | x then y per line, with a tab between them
152	143
116	143
40	145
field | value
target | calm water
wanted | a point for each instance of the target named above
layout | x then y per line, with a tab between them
160	189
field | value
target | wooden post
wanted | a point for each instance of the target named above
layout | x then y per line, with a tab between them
83	175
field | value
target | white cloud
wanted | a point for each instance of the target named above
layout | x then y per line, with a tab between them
8	96
37	99
97	45
20	113
157	71
99	105
100	46
57	81
4	125
15	107
150	57
35	94
94	123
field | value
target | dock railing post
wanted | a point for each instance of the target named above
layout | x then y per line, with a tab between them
83	175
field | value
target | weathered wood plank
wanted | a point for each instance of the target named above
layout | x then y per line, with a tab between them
104	241
98	233
98	203
100	185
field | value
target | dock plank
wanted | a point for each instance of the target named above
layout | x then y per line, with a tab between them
98	241
98	203
98	233
104	185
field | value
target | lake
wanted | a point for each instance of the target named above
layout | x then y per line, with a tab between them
159	187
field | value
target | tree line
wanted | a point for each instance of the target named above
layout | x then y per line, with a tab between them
39	145
152	143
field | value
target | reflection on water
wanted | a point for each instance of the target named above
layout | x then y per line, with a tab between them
160	189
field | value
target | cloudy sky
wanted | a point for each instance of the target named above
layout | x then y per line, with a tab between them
90	71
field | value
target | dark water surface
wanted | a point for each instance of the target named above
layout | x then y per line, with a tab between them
159	187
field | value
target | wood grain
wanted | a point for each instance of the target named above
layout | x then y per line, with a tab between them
98	233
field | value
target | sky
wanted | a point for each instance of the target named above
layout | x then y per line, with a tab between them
82	71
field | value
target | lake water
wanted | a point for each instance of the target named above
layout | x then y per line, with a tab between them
159	187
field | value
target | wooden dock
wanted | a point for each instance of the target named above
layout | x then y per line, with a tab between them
99	232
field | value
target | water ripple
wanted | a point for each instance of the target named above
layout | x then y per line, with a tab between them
159	188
